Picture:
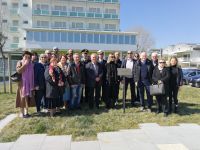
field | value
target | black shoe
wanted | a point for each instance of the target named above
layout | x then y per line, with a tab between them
176	109
26	116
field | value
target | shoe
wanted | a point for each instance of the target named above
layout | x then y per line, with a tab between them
142	109
26	116
149	110
176	109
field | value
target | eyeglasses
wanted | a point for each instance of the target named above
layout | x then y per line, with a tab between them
136	56
112	57
162	62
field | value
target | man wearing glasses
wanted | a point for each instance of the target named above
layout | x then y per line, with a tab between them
129	64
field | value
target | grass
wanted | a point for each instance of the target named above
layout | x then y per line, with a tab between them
85	124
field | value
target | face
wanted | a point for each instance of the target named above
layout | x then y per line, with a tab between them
143	56
63	60
94	58
43	59
101	56
76	58
112	57
173	62
136	56
70	57
27	57
129	55
154	57
84	55
54	63
162	63
48	55
34	58
117	55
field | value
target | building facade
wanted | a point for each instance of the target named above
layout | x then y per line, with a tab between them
187	53
76	24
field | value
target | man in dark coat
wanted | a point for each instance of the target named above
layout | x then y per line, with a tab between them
143	77
94	74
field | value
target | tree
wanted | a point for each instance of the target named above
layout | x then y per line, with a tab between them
145	40
3	39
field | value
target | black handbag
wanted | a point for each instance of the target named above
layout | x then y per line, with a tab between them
157	89
16	77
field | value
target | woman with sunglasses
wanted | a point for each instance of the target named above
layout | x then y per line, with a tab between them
112	80
161	76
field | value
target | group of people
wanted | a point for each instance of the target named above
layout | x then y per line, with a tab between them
52	81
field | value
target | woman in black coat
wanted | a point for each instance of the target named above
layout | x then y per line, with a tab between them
176	77
111	80
161	76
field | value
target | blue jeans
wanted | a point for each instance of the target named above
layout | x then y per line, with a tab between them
76	91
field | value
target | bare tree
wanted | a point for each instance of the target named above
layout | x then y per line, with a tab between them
3	39
145	40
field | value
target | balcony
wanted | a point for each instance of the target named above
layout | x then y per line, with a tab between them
75	14
13	29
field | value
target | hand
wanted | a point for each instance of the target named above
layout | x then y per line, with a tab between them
136	84
97	79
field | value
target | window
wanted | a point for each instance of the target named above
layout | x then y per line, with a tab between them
63	36
77	9
60	8
96	38
108	39
102	38
110	11
57	36
90	38
115	39
77	37
29	36
83	38
25	22
50	36
15	5
110	26
94	26
42	7
15	39
15	22
4	21
37	36
77	25
127	39
4	3
121	39
44	36
44	24
60	24
133	40
25	5
71	37
94	10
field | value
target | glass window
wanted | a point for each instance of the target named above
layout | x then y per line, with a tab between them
127	39
77	37
15	22
29	36
25	5
63	36
121	39
50	36
90	38
25	22
77	9
96	38
108	39
115	39
37	36
44	36
15	39
102	38
71	37
83	38
57	36
133	40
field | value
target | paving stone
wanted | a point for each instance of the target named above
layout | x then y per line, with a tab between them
172	147
56	143
29	142
7	120
85	145
6	146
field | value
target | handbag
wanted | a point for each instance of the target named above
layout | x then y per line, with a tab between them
16	77
157	89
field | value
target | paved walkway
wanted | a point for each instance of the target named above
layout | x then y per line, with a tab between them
149	136
7	120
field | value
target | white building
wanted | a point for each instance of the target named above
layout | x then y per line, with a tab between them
186	53
76	24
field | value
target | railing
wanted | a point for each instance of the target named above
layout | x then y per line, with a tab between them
76	14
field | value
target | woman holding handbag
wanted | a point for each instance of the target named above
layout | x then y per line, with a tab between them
161	76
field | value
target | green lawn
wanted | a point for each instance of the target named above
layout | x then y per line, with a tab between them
85	124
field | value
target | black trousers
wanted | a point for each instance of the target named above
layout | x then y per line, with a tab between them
173	94
117	90
162	104
111	95
84	93
130	81
39	94
103	92
94	95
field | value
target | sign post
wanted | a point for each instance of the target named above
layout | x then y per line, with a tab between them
124	72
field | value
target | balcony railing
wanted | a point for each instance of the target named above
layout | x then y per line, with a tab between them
75	14
14	29
14	45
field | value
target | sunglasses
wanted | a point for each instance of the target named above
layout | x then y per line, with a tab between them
162	62
112	57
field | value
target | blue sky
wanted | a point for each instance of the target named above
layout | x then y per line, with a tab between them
169	21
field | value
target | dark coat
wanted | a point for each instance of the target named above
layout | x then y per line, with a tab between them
119	64
76	78
39	79
178	78
164	76
111	73
91	76
52	88
103	65
137	70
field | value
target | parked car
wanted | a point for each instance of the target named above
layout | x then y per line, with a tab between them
196	83
189	74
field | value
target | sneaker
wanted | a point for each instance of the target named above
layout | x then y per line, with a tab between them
149	110
142	109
